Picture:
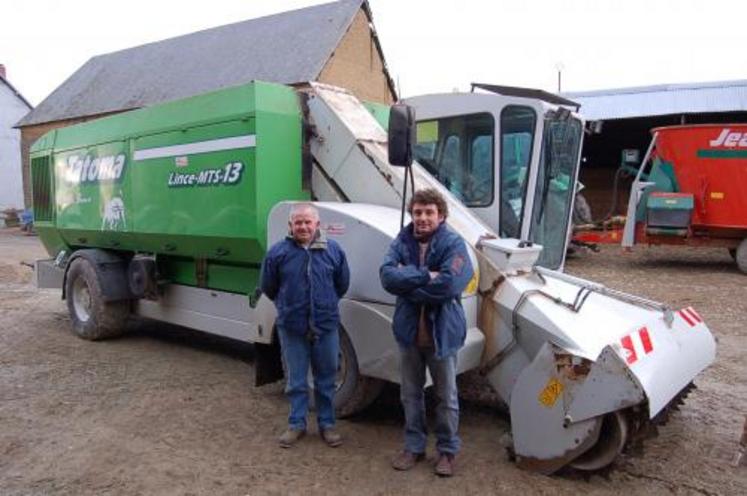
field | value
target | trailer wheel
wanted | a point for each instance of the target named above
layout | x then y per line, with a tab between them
92	317
741	256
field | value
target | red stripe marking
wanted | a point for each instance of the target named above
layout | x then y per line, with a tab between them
646	340
687	318
627	344
692	313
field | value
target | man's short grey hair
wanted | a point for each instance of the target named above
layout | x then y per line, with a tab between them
299	207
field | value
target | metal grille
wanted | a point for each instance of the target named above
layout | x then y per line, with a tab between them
42	189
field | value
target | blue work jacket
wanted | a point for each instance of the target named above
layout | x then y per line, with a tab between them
306	284
402	275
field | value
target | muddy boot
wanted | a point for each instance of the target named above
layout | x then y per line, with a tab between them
331	437
445	465
290	437
406	460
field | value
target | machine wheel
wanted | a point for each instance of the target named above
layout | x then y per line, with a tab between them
740	256
92	317
612	439
354	392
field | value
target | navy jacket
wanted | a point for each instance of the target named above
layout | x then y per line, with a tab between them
306	284
402	275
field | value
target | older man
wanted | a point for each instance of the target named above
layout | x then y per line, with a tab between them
427	267
306	275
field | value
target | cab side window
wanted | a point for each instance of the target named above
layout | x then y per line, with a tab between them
518	125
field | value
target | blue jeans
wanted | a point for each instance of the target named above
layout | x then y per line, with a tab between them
413	361
322	355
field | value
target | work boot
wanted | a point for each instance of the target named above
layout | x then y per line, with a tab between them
290	437
331	437
445	465
406	460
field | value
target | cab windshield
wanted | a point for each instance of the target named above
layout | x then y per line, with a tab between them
458	151
555	188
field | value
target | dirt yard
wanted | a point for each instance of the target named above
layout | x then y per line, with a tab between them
170	411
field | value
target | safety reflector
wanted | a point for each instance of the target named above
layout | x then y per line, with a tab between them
690	316
637	345
645	340
630	354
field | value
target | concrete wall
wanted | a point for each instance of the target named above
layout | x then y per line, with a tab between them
358	65
12	109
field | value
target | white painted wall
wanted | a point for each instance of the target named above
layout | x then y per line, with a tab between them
12	108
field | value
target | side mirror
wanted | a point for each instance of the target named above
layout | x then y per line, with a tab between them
401	134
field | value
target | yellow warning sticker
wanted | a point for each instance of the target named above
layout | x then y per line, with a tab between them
717	195
472	284
427	132
551	392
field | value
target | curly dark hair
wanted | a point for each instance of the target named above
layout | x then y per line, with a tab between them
429	196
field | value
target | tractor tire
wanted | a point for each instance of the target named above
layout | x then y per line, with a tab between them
92	318
354	392
741	256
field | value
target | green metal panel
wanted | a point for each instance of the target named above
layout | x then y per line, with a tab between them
683	202
722	154
380	113
187	180
87	179
663	231
42	188
665	180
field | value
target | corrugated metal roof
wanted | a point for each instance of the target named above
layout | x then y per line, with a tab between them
289	47
723	96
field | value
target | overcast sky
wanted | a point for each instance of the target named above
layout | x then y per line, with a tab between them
430	46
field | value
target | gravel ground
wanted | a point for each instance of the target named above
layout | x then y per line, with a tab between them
165	410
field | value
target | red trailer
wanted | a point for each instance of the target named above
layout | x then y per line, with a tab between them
690	189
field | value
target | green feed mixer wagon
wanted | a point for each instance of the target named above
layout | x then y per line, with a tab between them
185	181
166	212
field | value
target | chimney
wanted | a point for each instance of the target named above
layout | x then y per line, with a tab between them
2	71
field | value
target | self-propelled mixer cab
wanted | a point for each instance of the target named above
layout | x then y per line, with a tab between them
585	370
166	213
513	160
